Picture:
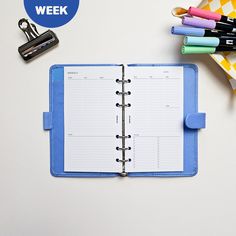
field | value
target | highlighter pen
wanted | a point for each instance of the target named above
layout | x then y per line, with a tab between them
191	31
209	24
209	41
193	11
205	50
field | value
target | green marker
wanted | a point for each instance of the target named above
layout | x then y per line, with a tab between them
204	50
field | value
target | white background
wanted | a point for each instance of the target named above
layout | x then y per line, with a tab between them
32	202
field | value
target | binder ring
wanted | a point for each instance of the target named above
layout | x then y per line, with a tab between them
123	81
123	161
123	93
123	136
123	149
123	105
123	174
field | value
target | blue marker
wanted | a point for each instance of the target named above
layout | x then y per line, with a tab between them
200	32
209	41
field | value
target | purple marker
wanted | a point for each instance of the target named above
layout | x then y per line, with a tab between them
208	24
200	32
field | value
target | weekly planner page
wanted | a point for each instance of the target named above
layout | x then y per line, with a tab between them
155	118
91	118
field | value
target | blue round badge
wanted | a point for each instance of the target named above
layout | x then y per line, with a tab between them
51	13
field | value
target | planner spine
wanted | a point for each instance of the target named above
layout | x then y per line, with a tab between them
124	136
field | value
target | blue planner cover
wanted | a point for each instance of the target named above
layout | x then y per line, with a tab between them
54	121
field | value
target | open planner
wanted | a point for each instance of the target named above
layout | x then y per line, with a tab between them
127	120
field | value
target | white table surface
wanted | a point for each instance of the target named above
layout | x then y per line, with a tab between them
32	202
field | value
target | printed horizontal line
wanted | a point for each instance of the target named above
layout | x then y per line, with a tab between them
89	136
164	136
153	78
90	79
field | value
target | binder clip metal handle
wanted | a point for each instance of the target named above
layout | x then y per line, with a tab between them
29	29
37	43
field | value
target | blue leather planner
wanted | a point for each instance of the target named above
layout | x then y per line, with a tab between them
192	120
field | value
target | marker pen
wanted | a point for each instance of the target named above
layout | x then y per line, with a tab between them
204	50
193	11
209	24
191	31
209	41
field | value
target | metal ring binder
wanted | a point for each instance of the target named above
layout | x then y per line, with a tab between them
123	105
123	81
127	160
123	149
123	93
123	136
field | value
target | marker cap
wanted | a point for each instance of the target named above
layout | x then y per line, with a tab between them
201	41
180	30
197	50
200	23
193	11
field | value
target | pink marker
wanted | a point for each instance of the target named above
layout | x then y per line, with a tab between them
193	11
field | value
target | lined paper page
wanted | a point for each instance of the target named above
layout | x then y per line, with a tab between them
155	118
91	118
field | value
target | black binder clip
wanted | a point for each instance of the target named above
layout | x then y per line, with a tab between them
37	43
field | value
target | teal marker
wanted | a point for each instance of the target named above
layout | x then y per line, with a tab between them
210	41
205	50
